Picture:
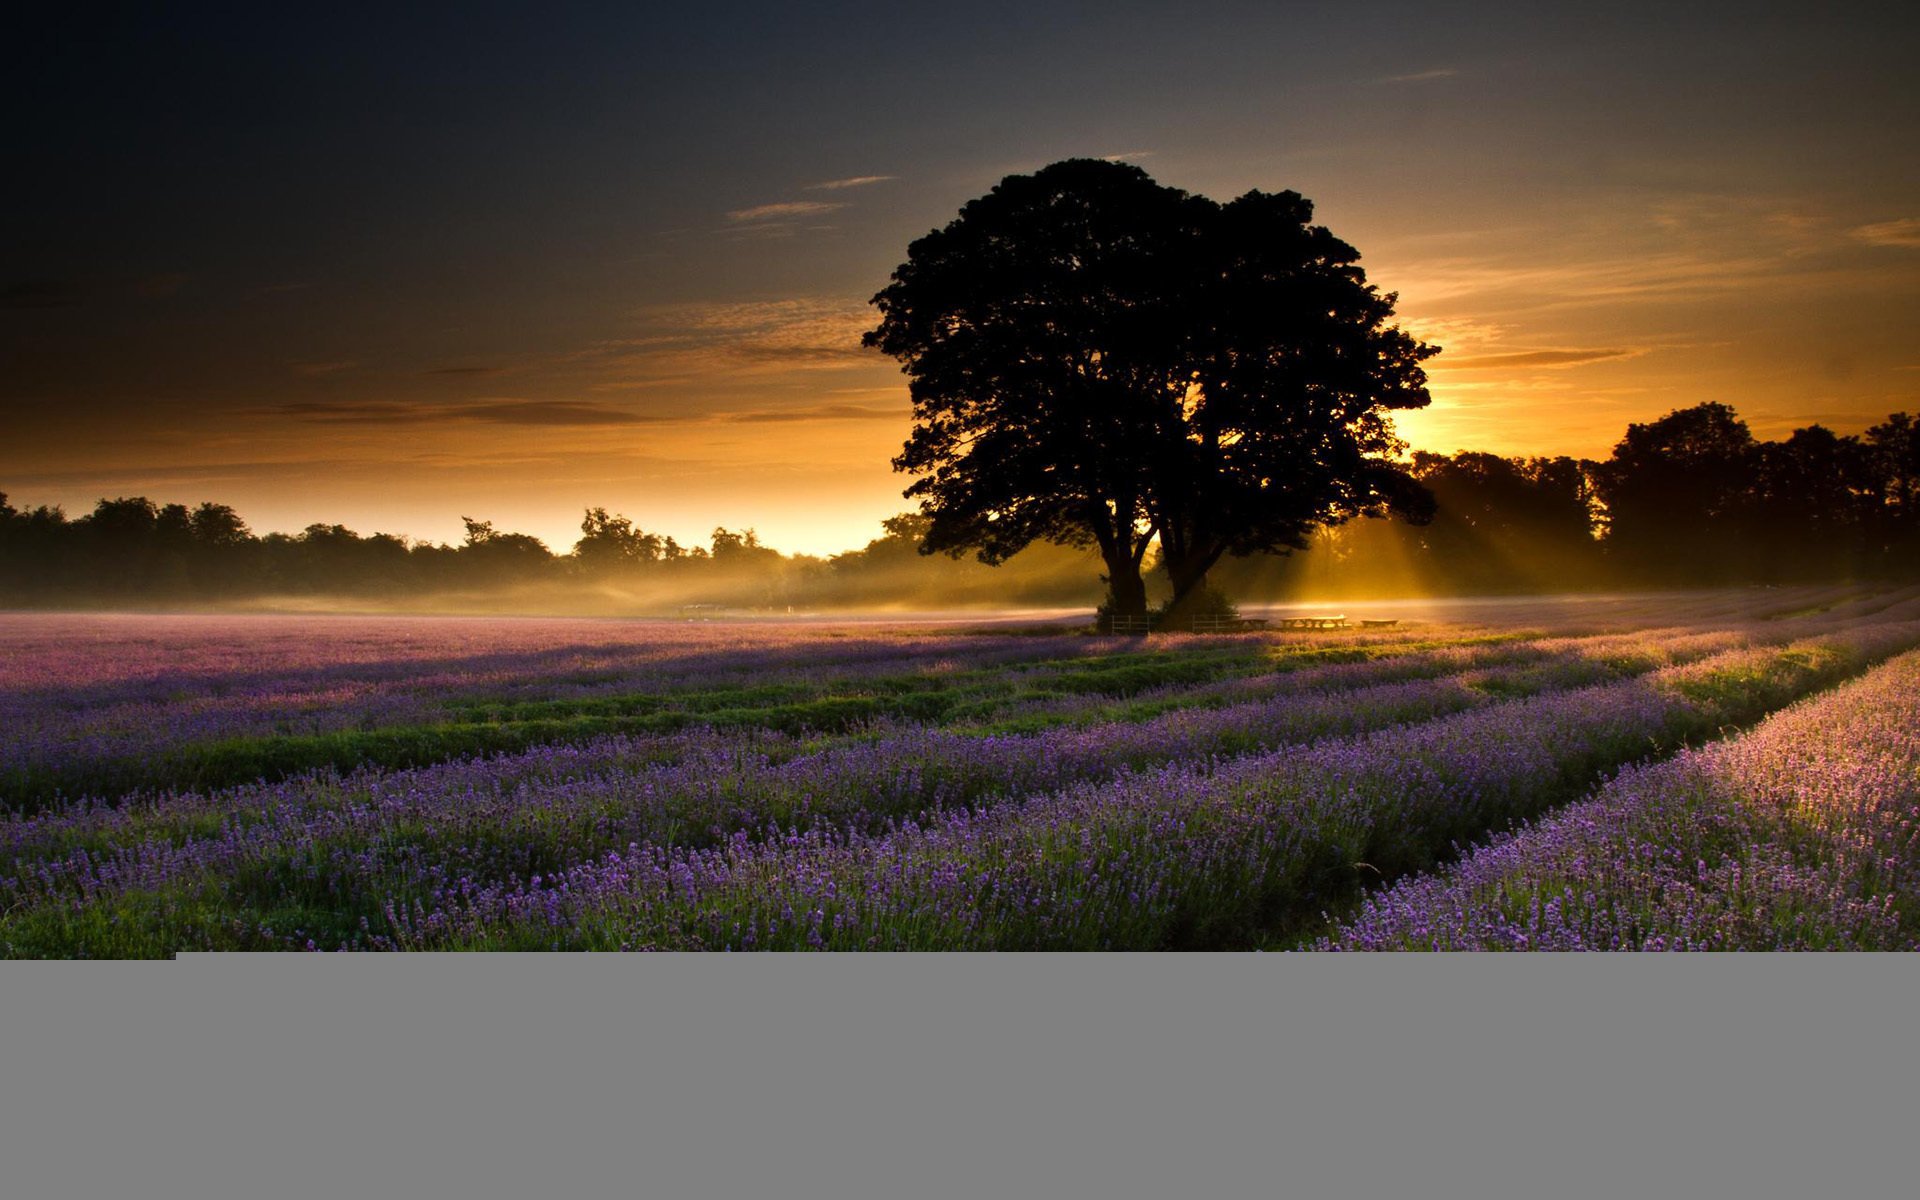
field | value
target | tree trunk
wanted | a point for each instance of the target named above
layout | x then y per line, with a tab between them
1189	578
1180	611
1126	590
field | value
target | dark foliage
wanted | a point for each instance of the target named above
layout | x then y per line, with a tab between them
1097	359
1693	498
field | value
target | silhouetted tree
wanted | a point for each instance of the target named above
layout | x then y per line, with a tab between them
1506	523
1811	506
1096	359
744	546
1893	448
609	540
505	557
217	525
1675	494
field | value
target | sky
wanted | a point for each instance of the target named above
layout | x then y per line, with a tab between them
391	269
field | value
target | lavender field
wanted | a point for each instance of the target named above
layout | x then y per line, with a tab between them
1701	770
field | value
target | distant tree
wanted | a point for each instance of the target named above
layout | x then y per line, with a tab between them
479	533
491	556
1675	495
1895	446
1094	358
1519	498
125	524
609	540
42	553
741	548
118	544
1812	503
219	525
902	536
1893	449
1505	523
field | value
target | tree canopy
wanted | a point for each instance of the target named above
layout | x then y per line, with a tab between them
1095	358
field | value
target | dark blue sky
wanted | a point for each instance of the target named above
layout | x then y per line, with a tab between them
386	268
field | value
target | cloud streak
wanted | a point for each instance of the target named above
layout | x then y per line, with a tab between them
711	341
783	211
836	185
818	412
1535	358
1438	73
547	413
1902	232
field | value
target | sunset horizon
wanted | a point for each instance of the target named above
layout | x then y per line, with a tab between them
876	599
513	271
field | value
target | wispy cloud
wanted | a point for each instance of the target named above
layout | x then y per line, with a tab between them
1902	232
317	369
835	185
761	231
783	211
565	413
1535	358
495	412
755	337
553	412
1437	73
1502	286
135	476
819	412
1126	156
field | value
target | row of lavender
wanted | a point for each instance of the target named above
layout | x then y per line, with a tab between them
423	856
1171	856
339	842
61	706
78	690
48	736
1180	854
1803	834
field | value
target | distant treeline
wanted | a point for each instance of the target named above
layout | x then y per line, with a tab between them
134	552
1690	499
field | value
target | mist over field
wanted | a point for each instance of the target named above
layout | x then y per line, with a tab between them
1691	500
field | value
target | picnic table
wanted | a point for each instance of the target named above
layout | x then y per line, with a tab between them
1334	622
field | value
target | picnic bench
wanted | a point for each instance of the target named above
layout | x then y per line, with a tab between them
1224	624
1335	622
